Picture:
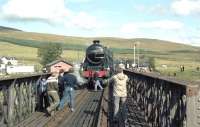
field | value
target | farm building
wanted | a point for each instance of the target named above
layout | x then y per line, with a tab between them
57	65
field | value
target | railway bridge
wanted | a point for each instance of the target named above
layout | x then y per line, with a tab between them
153	101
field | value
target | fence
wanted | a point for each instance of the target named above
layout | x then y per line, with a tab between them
17	99
165	102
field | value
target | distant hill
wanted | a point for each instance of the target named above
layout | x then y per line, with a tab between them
3	28
146	44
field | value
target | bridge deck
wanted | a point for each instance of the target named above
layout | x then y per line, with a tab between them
85	114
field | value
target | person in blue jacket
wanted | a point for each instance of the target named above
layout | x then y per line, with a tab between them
69	81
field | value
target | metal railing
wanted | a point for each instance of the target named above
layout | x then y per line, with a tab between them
17	99
165	102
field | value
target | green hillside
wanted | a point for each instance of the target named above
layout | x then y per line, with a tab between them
149	44
18	43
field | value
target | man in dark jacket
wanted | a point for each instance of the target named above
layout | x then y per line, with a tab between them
42	92
69	80
60	83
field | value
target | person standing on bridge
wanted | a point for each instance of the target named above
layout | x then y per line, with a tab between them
97	82
52	90
70	81
60	83
119	92
42	92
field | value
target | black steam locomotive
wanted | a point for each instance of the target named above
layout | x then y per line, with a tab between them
98	62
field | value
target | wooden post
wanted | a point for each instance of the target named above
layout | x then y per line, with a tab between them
34	93
5	105
192	106
10	104
20	101
30	92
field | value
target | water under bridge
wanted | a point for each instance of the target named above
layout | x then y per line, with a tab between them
153	101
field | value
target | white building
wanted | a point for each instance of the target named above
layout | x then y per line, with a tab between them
8	60
20	69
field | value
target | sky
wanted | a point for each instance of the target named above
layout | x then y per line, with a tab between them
173	20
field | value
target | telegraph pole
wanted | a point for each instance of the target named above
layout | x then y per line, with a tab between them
134	45
138	54
78	56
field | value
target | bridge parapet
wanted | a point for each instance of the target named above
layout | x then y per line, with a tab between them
17	99
165	102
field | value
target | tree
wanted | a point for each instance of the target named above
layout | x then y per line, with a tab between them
49	52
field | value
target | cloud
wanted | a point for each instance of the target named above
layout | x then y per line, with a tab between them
162	24
48	11
158	9
86	21
140	8
186	7
79	1
45	10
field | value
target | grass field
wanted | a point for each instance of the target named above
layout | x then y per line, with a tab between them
23	53
23	46
28	55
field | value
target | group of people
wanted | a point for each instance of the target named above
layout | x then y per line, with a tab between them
182	68
57	90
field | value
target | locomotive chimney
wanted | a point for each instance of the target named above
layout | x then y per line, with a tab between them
96	42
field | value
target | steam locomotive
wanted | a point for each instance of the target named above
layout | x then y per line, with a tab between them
98	62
